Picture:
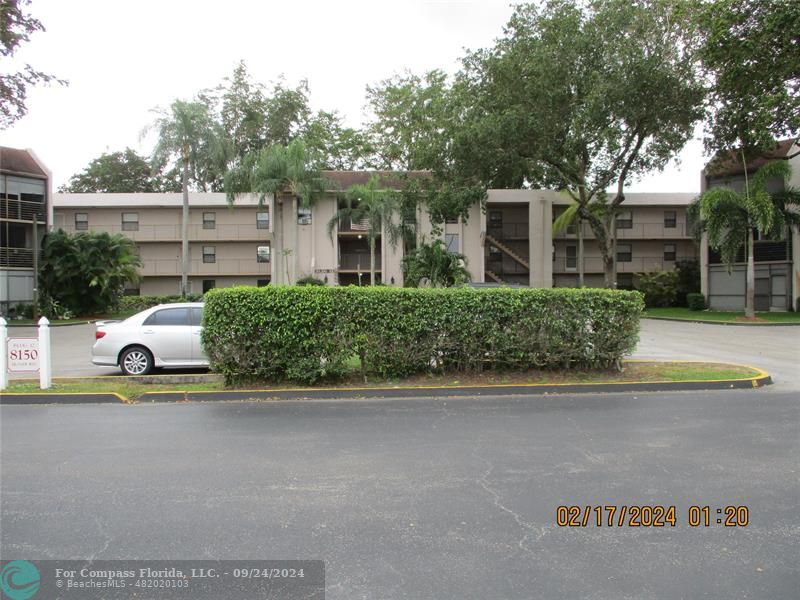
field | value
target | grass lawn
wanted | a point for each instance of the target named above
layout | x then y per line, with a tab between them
721	316
632	372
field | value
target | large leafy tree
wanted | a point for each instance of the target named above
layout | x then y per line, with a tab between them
86	272
289	175
16	28
750	50
117	172
374	206
434	265
585	98
189	138
730	218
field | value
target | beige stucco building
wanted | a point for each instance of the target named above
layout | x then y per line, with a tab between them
509	242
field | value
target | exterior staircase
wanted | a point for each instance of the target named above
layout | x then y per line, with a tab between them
495	277
509	252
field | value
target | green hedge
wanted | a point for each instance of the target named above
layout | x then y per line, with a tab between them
139	303
308	332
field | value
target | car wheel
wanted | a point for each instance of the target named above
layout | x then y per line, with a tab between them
136	361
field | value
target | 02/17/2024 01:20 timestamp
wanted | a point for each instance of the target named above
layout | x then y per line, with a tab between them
636	515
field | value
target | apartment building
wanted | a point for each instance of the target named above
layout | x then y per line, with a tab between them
227	245
777	261
25	213
653	234
510	242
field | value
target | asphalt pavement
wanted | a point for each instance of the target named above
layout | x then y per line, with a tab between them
421	498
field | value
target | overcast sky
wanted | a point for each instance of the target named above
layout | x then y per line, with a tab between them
124	58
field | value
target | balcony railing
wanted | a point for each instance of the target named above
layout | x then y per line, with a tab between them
509	231
355	262
172	233
223	266
21	210
17	258
640	230
637	264
348	226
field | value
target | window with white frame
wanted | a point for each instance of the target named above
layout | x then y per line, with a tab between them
262	220
209	220
670	219
451	241
81	221
304	215
263	254
670	250
209	254
130	221
624	220
624	252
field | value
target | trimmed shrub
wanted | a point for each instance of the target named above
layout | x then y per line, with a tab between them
696	301
310	280
139	303
304	333
660	288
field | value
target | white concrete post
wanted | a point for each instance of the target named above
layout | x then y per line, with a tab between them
3	354
45	377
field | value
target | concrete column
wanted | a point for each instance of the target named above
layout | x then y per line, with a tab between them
45	373
795	282
704	266
540	228
3	354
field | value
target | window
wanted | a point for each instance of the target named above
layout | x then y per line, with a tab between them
451	241
572	257
571	230
209	254
169	316
209	220
197	317
81	221
669	251
130	221
304	215
209	284
625	220
495	218
451	220
625	281
262	220
670	219
263	254
262	282
624	253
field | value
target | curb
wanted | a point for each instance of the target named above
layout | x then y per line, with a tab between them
734	323
533	389
55	398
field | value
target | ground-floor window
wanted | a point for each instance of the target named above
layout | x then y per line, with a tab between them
262	282
209	284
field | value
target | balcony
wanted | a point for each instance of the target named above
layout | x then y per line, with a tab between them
172	233
347	226
163	267
637	264
21	210
16	258
358	262
640	230
509	231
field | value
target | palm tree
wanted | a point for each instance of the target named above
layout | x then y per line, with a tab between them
188	134
730	218
278	171
375	207
434	263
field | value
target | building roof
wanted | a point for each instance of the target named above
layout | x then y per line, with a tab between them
20	162
388	179
730	163
149	200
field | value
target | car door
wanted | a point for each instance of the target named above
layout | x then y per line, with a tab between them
167	332
198	356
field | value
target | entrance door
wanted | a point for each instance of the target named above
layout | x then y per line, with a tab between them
778	300
762	294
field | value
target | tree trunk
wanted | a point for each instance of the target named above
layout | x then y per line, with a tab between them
185	230
277	239
372	260
750	298
580	253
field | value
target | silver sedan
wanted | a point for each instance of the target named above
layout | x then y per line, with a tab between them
167	335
